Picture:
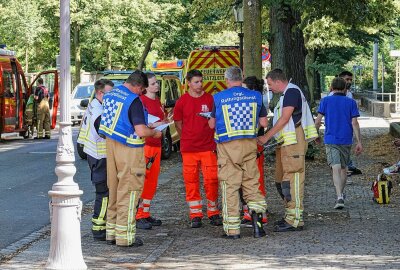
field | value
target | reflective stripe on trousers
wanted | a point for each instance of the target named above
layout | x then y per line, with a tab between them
150	182
192	162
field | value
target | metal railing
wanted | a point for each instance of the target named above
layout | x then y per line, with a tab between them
384	97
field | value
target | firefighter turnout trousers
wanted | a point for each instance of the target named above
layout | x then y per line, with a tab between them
151	180
290	174
260	165
192	161
43	118
125	177
98	171
237	167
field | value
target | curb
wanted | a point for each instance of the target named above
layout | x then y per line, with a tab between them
10	251
21	245
395	129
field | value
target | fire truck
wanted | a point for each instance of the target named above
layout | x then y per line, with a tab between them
213	61
15	93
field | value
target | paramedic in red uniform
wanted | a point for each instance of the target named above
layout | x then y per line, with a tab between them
152	153
198	150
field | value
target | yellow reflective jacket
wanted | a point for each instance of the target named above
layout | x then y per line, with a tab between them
94	145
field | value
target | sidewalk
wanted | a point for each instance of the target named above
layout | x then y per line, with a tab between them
364	235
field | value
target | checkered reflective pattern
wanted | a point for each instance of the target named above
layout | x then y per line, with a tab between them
240	116
110	110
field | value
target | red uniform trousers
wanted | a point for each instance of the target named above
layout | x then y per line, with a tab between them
151	180
192	161
260	165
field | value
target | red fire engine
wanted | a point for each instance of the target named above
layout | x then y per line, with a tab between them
15	92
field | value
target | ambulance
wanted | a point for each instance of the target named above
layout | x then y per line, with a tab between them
15	93
212	61
171	67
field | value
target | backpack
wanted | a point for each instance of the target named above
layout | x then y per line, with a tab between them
381	188
44	90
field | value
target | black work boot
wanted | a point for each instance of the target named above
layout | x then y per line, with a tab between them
215	220
99	235
258	230
196	222
279	189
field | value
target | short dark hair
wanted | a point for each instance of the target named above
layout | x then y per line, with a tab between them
99	85
276	75
40	81
138	78
345	73
338	83
193	73
253	83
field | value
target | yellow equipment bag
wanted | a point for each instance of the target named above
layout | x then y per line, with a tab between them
382	188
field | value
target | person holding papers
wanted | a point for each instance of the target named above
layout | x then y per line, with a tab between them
152	153
198	150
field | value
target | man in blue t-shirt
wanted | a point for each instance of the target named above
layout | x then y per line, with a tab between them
340	114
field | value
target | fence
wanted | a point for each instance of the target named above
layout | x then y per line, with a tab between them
384	97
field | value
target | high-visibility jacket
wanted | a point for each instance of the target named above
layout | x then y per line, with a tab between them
288	134
236	113
93	144
115	123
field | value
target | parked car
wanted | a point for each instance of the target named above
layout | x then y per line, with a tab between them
170	91
81	91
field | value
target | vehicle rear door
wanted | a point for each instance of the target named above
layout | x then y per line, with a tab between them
212	63
223	59
170	93
9	104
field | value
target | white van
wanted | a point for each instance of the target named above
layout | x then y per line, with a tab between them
80	92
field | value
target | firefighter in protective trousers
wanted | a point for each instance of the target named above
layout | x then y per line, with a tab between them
95	148
237	113
43	110
124	124
294	127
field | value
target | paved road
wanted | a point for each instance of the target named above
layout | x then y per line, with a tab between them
26	175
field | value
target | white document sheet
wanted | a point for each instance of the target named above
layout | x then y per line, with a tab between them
162	127
152	119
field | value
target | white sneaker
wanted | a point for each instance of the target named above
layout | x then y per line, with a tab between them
339	204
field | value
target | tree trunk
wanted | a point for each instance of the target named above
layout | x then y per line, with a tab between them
145	53
318	90
252	38
108	55
77	47
287	44
311	74
26	59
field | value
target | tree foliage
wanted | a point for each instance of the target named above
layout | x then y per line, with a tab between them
22	27
114	33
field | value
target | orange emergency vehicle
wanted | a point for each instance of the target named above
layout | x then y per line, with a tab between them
15	93
213	61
